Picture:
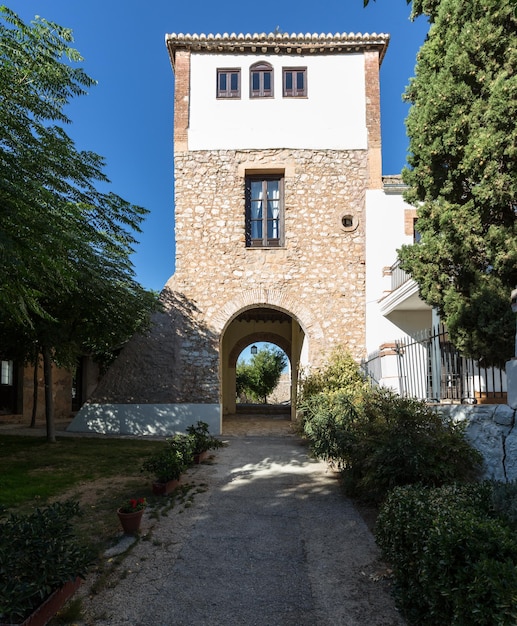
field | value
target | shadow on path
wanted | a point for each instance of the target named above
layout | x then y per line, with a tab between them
272	542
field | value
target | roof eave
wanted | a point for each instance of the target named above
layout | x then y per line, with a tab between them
278	43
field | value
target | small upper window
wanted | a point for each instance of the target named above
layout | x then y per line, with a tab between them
261	80
416	233
295	82
229	83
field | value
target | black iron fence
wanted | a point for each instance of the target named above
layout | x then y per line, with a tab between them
430	368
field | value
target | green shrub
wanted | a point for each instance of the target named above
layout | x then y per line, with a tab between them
328	424
38	554
201	439
401	441
381	441
326	406
504	500
454	559
172	460
341	373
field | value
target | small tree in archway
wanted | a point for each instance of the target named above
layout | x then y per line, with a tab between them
261	375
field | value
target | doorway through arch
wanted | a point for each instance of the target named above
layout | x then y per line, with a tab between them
256	325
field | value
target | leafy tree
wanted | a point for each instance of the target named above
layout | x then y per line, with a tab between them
462	173
260	377
66	280
242	378
419	7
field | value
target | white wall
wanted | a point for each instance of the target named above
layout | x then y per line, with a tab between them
152	420
333	116
385	233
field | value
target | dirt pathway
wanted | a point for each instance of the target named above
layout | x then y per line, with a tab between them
268	539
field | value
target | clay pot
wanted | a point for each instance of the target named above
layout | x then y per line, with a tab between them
162	489
130	521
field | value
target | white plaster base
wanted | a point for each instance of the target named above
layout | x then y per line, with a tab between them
152	420
511	382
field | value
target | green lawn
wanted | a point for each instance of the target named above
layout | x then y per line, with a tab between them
34	471
99	473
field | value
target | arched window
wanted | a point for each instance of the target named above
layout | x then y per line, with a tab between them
261	80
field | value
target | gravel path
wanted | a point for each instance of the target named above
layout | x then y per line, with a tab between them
268	539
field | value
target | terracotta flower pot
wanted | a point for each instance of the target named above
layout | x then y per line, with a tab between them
46	611
130	521
162	489
199	457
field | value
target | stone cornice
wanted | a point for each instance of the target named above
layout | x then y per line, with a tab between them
277	43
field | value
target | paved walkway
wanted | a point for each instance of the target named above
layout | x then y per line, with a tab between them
268	540
271	542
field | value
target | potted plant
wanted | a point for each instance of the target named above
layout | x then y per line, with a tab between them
130	514
43	561
202	441
168	465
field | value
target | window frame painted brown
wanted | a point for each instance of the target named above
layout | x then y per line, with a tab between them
293	92
228	93
262	68
264	241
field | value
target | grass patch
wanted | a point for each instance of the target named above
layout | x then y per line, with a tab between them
33	471
99	473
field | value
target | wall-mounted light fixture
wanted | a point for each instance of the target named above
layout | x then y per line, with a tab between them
253	350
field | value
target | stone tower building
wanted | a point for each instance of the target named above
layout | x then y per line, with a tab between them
276	142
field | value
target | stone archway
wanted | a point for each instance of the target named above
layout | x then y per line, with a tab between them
252	325
259	337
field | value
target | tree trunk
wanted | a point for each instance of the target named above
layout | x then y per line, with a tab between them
35	392
49	402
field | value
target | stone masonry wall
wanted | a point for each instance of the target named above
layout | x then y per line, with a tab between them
321	265
176	362
318	276
491	429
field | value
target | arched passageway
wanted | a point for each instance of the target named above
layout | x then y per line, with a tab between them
254	325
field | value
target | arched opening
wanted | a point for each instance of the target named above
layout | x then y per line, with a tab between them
254	325
264	372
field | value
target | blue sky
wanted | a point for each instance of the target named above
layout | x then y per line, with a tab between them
127	117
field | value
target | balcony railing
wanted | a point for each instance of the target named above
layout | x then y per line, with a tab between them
430	368
398	276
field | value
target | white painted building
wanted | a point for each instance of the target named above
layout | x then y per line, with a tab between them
331	114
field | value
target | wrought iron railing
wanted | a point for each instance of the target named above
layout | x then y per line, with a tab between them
430	368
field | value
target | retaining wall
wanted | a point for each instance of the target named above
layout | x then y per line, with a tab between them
490	429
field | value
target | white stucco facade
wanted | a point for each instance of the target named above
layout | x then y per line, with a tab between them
385	228
332	117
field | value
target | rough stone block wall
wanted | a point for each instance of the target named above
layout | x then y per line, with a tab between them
176	362
491	429
321	265
318	276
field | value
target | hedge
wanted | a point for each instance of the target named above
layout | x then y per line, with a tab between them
454	557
